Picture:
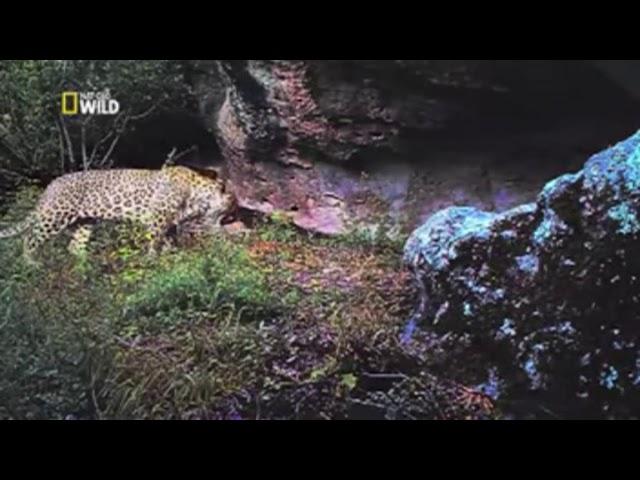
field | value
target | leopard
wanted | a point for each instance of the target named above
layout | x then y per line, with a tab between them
159	199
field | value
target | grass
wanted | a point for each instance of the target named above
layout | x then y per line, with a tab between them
274	323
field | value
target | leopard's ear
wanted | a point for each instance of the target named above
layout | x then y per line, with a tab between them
214	173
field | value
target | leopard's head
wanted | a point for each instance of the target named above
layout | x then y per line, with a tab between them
210	201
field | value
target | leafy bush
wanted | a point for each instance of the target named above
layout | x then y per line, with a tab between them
37	142
66	327
55	338
272	324
211	277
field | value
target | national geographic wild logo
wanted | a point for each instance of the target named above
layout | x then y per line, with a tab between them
89	103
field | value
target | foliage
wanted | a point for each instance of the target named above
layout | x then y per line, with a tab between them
54	346
37	142
382	235
29	133
271	324
211	277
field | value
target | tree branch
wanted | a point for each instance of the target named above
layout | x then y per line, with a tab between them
112	131
169	159
83	146
106	156
61	150
147	112
11	147
96	146
172	156
65	132
12	173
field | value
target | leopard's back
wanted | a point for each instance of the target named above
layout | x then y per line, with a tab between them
103	194
157	198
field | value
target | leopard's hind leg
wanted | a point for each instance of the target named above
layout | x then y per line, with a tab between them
79	240
43	229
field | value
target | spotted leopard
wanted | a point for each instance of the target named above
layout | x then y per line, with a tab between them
159	199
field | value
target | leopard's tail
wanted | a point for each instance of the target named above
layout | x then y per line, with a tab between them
17	229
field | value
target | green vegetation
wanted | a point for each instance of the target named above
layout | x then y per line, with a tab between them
381	236
272	323
37	142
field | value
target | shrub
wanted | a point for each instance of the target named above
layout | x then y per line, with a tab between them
216	275
273	324
55	338
37	142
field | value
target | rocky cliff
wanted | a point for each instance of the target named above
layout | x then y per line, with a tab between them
338	142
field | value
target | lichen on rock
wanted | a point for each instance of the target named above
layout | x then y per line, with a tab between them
548	290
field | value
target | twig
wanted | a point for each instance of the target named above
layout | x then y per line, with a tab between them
11	173
193	148
172	156
169	159
13	150
146	113
399	376
97	145
83	146
106	156
368	403
61	150
67	139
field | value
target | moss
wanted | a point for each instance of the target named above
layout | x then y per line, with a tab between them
219	272
627	219
528	263
443	230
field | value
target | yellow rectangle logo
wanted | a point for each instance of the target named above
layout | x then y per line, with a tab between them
69	103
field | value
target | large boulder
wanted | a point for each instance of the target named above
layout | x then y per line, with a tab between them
338	142
548	291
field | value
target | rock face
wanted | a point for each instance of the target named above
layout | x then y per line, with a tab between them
549	290
336	141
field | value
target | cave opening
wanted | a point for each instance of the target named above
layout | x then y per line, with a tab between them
152	140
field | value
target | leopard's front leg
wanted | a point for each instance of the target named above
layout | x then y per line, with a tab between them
157	230
163	214
79	240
